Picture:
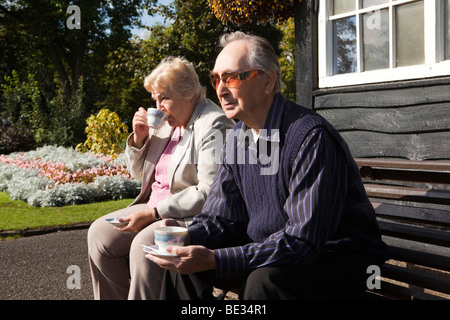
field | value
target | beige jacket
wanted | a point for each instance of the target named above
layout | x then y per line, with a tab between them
192	167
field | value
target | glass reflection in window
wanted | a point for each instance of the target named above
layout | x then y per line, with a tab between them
344	36
343	6
410	34
376	39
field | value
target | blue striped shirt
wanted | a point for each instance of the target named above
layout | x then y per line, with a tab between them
252	220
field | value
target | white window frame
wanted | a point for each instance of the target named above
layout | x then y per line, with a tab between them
434	65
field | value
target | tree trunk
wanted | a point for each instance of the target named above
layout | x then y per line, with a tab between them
62	74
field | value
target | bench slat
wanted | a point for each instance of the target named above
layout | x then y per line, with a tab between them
397	292
416	278
416	233
416	246
421	258
438	165
410	176
408	194
442	217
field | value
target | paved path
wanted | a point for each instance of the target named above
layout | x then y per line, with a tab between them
35	268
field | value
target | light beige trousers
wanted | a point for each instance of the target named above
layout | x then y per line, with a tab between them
119	268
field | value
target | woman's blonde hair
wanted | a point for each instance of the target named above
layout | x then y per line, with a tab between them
177	74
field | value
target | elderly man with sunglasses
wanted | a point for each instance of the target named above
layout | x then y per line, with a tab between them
306	230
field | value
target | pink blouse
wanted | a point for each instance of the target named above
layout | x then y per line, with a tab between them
161	188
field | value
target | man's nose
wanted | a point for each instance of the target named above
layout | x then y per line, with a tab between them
221	89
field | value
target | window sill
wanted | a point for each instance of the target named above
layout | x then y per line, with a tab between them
387	75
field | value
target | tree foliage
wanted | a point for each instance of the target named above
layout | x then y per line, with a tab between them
69	53
193	32
64	67
53	78
287	58
243	12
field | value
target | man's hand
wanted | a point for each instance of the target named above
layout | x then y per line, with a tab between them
190	259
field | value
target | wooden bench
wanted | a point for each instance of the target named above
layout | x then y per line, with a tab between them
412	204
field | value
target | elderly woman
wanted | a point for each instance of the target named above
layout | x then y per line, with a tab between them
174	183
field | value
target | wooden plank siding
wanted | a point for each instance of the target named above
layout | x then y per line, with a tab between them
401	120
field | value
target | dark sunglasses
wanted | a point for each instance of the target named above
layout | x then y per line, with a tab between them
234	78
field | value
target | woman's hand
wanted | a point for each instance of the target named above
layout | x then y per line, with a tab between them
190	259
138	221
140	128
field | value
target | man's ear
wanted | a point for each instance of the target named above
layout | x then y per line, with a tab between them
271	79
191	98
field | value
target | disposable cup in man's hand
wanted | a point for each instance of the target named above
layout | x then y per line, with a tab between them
156	118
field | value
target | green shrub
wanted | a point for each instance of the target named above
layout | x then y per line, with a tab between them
57	120
106	134
67	119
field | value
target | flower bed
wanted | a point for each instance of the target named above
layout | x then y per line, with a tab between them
56	176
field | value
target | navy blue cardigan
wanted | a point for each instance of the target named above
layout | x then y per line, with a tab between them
253	219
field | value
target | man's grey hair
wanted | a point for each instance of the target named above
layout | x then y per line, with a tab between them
262	55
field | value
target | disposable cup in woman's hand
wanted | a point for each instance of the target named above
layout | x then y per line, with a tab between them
156	118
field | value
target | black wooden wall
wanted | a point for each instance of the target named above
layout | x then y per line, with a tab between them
407	119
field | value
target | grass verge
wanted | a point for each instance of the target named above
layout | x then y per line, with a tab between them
18	215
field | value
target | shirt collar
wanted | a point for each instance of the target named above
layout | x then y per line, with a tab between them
272	124
274	117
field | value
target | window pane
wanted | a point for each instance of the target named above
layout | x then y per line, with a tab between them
376	40
368	3
342	6
410	34
344	44
447	29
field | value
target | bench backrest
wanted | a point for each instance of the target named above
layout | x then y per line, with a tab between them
412	203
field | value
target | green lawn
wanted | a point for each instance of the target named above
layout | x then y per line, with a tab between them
18	215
